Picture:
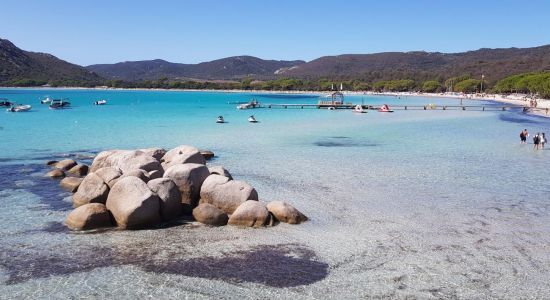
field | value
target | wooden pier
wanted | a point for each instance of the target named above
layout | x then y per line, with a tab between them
395	107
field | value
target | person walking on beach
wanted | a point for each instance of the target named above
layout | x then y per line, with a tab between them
536	141
523	136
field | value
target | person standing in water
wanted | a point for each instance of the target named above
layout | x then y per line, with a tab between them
536	141
523	136
542	140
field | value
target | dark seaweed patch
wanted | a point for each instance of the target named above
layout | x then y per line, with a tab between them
521	118
343	144
277	265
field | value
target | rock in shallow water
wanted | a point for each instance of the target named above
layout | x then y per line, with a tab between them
207	154
91	190
209	214
65	164
219	170
109	175
89	216
170	197
56	173
226	194
182	155
251	214
133	204
71	184
285	212
79	170
189	179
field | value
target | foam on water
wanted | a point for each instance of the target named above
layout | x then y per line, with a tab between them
425	204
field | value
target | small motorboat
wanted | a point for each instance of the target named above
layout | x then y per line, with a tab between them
46	100
220	119
5	102
252	119
385	108
331	108
359	109
59	103
100	102
19	108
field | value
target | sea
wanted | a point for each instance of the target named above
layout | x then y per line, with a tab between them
423	204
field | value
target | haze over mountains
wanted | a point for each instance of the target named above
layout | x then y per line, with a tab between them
495	64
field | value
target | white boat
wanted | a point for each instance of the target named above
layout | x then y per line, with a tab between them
100	102
46	100
359	109
220	120
19	108
252	119
331	108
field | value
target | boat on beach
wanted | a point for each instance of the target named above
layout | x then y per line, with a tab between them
100	102
19	108
59	104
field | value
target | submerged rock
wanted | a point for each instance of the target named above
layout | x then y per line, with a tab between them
182	155
65	164
284	212
226	194
91	190
55	173
170	197
71	184
250	214
133	204
209	214
189	179
89	216
79	170
219	170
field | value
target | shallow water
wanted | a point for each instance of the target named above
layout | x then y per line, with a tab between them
424	204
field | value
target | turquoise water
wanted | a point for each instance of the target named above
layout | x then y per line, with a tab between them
424	204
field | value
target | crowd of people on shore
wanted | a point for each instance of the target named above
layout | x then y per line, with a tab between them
539	140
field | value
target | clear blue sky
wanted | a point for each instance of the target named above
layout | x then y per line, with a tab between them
99	31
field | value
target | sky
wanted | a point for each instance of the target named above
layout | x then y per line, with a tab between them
100	31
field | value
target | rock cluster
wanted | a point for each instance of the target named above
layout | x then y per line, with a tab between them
143	188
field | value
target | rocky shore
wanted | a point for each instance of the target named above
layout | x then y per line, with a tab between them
137	189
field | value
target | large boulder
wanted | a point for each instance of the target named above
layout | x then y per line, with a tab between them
219	170
91	190
79	170
156	153
209	214
156	174
182	155
109	175
70	184
189	179
285	212
133	204
250	214
226	194
125	160
170	197
65	164
55	173
141	174
51	163
89	216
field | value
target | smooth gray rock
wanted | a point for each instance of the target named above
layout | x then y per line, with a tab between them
189	178
209	214
219	170
91	190
182	155
250	214
71	184
89	216
284	212
109	175
226	194
170	197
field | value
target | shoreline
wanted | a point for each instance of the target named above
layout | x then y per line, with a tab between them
542	109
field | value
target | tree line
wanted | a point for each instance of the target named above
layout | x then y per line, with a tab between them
528	83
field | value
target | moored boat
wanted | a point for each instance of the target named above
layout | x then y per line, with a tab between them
220	119
385	108
252	119
5	102
19	108
59	103
359	109
100	102
46	100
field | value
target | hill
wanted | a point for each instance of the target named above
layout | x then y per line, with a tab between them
236	67
495	64
17	64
